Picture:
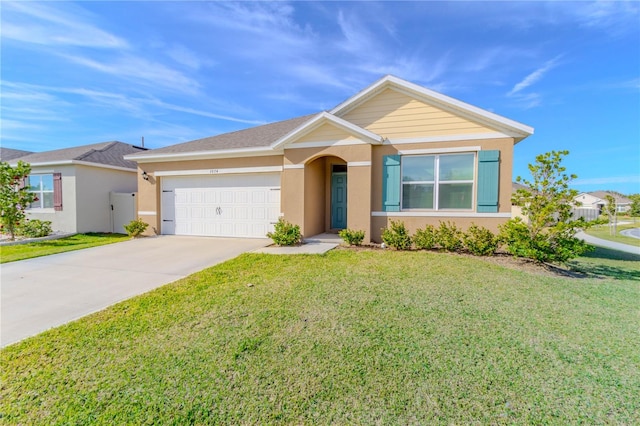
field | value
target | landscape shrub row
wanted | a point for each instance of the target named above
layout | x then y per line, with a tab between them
476	240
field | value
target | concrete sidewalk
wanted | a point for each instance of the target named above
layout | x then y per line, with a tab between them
318	244
608	244
45	292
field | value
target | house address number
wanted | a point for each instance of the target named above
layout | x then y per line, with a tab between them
213	171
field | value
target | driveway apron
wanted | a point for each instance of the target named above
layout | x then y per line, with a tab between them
45	292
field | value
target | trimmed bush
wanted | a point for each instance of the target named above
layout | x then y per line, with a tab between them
35	228
351	236
545	246
136	227
426	239
480	241
285	233
449	236
397	236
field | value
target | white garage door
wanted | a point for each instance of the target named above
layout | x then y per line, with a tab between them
240	205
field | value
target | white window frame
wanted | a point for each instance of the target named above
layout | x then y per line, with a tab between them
40	193
436	181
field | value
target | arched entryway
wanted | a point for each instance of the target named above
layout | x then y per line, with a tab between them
325	195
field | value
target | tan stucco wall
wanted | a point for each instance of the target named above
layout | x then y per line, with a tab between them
314	197
505	145
413	223
360	152
149	191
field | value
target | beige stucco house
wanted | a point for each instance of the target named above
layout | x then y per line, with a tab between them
79	188
394	151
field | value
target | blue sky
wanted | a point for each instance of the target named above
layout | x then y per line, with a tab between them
75	73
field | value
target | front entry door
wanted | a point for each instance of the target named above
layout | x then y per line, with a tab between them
338	200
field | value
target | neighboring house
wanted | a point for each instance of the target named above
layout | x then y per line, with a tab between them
8	154
516	211
73	185
394	151
597	200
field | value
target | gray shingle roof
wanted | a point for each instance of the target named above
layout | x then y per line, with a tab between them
620	199
106	153
254	137
7	154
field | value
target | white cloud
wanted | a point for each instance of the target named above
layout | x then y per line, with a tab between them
534	76
142	70
62	25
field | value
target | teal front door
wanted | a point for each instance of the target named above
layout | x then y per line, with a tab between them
338	200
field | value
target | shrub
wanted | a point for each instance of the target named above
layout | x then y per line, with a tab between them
449	236
547	246
397	236
135	228
285	233
35	228
352	237
546	202
480	241
426	239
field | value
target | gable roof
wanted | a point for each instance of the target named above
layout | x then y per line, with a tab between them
109	154
320	119
620	199
7	154
270	139
509	127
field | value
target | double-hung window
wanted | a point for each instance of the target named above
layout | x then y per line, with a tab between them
438	182
42	186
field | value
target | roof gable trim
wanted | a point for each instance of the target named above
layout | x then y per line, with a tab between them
323	118
513	128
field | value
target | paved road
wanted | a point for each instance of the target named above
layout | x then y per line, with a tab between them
633	232
41	293
608	244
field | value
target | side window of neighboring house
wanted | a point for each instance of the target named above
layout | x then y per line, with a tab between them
48	190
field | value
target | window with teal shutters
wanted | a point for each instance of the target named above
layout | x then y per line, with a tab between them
488	181
391	183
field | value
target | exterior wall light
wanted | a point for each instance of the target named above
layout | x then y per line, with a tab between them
145	176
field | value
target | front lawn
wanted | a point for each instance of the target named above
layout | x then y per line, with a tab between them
351	337
47	247
603	231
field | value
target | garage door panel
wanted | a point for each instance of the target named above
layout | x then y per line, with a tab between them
223	205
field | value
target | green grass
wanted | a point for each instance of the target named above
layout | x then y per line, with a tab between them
351	337
602	231
45	248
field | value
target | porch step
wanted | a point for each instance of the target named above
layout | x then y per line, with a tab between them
324	238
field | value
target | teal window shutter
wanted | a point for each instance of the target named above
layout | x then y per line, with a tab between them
391	183
488	181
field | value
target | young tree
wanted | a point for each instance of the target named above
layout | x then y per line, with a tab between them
14	196
548	235
611	209
635	205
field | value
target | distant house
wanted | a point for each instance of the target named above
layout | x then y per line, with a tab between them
75	185
8	154
516	211
597	200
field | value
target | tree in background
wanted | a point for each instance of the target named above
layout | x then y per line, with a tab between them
611	209
548	235
635	205
14	196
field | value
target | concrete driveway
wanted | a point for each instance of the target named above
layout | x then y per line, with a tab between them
45	292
